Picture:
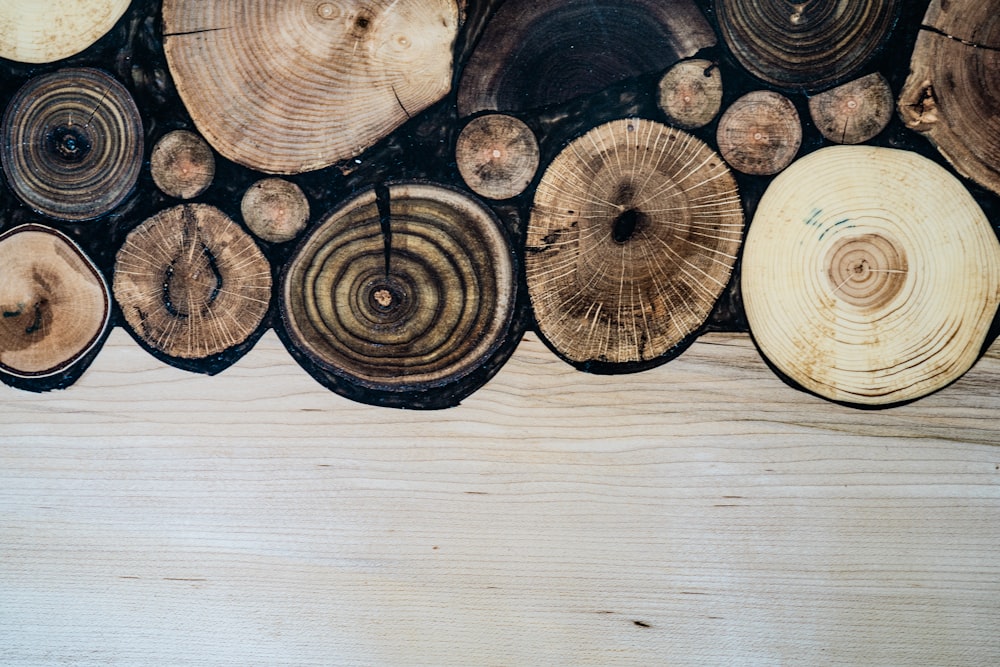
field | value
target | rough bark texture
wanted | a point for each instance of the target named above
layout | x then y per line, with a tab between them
860	291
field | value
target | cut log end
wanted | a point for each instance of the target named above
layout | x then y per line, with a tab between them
191	283
690	93
275	210
855	111
44	32
55	305
760	133
182	164
497	156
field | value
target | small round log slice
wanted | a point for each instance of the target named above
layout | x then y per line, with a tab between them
72	143
54	303
690	93
810	44
182	164
860	291
275	210
191	283
854	112
497	156
33	31
401	292
952	94
539	52
632	238
286	87
760	133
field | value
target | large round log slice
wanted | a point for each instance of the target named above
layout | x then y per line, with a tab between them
862	292
287	86
632	239
43	31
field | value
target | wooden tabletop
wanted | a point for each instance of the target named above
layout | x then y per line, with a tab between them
700	513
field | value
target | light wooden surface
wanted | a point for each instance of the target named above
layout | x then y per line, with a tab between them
699	513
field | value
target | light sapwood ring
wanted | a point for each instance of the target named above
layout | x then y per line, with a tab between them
533	53
275	210
55	304
43	31
182	164
952	94
445	304
690	93
862	292
760	133
632	238
497	156
808	44
854	112
191	283
72	143
287	86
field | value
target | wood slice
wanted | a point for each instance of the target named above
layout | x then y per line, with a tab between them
854	112
952	94
72	143
191	283
632	238
33	31
539	52
275	210
287	87
809	44
55	305
760	133
858	290
497	156
403	291
690	93
182	164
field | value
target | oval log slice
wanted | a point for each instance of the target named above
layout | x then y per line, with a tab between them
539	52
55	305
861	292
690	93
43	32
275	210
405	289
287	87
632	239
952	94
191	283
760	133
497	156
182	164
810	44
72	143
854	112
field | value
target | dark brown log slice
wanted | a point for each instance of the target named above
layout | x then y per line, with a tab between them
539	52
952	94
497	156
191	283
810	44
72	143
287	87
632	238
54	304
182	164
760	133
854	112
404	290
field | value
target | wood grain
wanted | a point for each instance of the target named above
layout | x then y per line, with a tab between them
699	513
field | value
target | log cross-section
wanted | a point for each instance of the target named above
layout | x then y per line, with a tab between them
632	238
287	86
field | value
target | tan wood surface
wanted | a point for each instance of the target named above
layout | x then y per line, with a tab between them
700	513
